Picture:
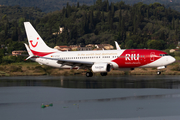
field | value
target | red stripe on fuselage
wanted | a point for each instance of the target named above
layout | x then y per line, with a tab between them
137	57
41	54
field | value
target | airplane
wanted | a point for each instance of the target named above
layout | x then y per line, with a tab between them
101	61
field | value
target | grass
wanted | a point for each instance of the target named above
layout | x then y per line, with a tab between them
25	63
177	58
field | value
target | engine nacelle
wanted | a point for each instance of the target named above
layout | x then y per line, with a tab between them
101	67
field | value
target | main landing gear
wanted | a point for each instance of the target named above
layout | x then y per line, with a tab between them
89	74
158	72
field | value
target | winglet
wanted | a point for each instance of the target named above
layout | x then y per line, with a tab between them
29	52
117	46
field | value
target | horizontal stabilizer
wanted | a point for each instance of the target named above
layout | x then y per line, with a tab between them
29	52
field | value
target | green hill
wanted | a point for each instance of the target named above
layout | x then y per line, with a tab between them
53	5
14	13
139	26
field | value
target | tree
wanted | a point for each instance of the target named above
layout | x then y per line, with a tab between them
15	34
122	26
173	23
107	8
111	23
20	22
103	19
99	4
98	16
109	16
77	4
129	44
120	19
155	44
148	13
1	55
112	9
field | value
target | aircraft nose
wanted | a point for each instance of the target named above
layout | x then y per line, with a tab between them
171	59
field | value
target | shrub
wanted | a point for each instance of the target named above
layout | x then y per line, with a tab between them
1	68
39	69
176	68
15	69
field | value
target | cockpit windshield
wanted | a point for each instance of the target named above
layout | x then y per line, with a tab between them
163	55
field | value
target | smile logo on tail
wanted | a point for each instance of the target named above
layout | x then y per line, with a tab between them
31	41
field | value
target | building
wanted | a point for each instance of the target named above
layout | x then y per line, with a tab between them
90	45
84	48
104	46
19	52
87	48
60	31
174	50
63	48
74	47
98	49
99	46
108	46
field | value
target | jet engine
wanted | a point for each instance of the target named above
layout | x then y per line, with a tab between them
101	67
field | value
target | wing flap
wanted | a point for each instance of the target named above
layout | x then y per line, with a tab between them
72	63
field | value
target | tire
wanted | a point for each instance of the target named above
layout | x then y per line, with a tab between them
89	74
159	72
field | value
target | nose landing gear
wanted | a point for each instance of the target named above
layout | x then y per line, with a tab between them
158	72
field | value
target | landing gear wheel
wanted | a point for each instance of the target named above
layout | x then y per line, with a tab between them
89	74
158	72
103	74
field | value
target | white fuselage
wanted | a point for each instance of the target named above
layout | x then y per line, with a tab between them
104	56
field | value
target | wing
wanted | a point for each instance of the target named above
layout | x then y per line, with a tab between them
73	63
